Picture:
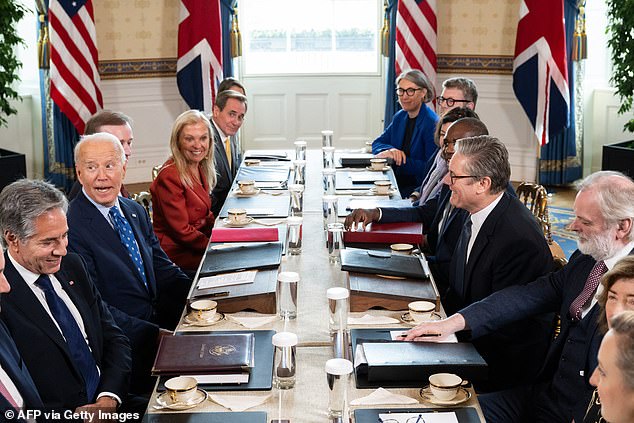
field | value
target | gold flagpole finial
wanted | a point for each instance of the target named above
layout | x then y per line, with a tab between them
236	37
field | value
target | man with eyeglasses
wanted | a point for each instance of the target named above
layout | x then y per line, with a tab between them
409	139
457	92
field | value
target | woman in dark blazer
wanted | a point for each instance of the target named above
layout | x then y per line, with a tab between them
180	193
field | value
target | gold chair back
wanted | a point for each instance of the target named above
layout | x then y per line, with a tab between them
155	171
144	198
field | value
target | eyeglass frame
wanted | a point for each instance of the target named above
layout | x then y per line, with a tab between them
451	101
407	91
453	177
419	419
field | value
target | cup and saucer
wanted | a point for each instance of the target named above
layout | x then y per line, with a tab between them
203	313
181	393
419	312
382	169
445	389
237	218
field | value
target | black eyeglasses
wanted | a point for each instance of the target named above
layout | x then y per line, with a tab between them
415	419
409	91
450	101
453	177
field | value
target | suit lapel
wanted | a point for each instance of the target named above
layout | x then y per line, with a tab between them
220	156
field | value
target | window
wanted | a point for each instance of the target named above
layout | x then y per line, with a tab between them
310	36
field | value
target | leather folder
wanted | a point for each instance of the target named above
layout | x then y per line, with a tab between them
261	377
274	206
205	354
221	417
371	415
387	233
226	259
382	263
244	234
263	173
270	155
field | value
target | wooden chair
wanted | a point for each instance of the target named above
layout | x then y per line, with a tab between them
144	198
155	171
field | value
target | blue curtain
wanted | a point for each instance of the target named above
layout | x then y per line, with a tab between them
226	12
391	100
559	163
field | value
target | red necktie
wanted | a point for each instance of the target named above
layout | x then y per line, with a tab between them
588	290
5	393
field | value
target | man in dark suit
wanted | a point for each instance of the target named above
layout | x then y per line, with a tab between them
561	390
117	124
144	291
78	357
17	389
228	115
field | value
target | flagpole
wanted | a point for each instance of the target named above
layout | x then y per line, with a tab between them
537	159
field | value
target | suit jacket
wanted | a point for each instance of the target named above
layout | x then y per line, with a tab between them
410	175
45	351
510	249
550	293
182	217
15	367
224	174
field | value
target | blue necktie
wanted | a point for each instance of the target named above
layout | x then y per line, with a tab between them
77	346
461	254
126	236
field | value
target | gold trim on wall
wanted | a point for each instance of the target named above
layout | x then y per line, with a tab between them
450	63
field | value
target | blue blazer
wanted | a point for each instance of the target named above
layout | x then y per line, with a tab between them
422	147
15	367
45	351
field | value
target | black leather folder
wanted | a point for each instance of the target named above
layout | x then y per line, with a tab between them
261	377
263	173
226	417
257	255
267	155
398	364
259	206
382	263
371	415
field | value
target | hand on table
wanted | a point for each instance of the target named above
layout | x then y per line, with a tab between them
395	154
107	405
436	331
361	216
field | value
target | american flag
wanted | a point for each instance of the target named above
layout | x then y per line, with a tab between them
540	73
416	37
199	65
74	76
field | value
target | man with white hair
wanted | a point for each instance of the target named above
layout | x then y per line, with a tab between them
604	217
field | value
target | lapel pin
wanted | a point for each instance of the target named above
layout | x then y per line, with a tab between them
133	215
71	283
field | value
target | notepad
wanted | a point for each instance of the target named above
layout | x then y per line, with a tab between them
227	279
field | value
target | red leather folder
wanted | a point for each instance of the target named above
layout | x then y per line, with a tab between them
244	234
387	233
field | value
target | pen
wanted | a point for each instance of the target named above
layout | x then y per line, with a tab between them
218	294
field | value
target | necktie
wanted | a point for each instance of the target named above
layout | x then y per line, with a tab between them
461	254
77	346
588	289
228	150
5	393
123	228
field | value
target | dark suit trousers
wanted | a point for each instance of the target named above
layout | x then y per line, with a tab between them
525	404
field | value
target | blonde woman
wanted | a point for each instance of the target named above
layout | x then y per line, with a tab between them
180	193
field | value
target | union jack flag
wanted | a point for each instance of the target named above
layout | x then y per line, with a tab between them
199	65
416	37
540	74
74	76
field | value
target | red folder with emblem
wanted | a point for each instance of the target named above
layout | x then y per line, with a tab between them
387	233
205	354
244	234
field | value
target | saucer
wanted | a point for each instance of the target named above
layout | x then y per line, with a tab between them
231	224
194	321
462	396
389	192
407	319
164	400
385	168
239	193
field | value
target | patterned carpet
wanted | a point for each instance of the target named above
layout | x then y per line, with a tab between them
560	218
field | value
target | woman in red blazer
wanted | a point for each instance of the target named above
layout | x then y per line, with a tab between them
180	193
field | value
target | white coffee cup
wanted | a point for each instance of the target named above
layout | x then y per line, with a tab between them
444	386
204	309
237	216
421	311
247	187
378	164
181	389
404	249
252	162
382	187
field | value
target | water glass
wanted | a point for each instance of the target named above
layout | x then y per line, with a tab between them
337	375
339	308
334	242
330	179
300	171
294	235
300	150
285	363
297	199
329	157
330	209
326	138
286	295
